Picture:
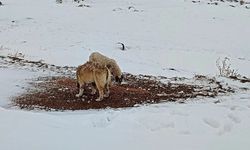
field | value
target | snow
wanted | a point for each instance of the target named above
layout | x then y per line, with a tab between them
11	81
161	126
158	36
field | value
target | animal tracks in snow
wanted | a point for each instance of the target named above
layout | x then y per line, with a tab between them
162	126
179	113
104	121
211	122
220	128
234	118
226	128
155	125
223	126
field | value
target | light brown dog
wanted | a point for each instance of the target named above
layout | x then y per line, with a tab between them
93	72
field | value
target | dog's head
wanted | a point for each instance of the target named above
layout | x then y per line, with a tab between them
119	79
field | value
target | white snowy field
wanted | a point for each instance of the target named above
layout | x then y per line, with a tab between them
158	35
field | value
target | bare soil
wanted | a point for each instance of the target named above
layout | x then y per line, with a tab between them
58	93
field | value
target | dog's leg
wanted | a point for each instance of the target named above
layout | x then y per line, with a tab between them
81	90
101	92
93	88
80	93
106	90
108	84
100	84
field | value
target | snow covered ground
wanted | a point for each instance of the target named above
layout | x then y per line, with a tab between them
158	35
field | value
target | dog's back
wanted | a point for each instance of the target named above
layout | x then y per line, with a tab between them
108	62
98	57
84	73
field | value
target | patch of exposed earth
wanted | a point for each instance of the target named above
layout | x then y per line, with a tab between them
58	92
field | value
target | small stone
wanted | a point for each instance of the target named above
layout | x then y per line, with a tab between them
126	99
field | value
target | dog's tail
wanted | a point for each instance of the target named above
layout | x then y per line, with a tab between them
108	75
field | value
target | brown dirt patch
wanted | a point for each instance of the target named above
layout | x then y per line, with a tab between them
58	93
